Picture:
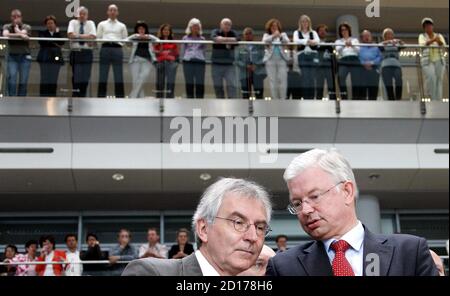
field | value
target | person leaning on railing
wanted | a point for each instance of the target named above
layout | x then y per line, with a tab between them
432	60
348	60
325	70
123	251
29	257
276	58
194	62
49	255
19	54
141	58
81	55
251	67
391	69
370	58
223	58
50	58
308	57
93	253
167	58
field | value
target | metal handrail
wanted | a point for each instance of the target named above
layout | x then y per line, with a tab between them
209	42
61	262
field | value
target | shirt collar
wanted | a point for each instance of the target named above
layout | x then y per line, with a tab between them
354	237
205	266
112	21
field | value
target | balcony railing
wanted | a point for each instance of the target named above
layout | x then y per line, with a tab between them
236	70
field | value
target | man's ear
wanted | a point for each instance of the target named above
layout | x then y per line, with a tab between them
349	192
202	230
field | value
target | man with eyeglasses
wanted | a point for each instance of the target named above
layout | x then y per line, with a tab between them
230	223
323	195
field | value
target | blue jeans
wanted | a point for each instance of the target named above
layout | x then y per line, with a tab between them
18	65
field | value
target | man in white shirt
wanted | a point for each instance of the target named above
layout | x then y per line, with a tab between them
231	223
75	268
323	193
111	53
81	55
153	248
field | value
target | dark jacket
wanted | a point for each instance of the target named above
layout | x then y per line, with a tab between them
399	255
223	53
93	254
188	250
50	51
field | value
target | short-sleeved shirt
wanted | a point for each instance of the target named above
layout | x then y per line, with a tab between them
223	53
18	46
89	28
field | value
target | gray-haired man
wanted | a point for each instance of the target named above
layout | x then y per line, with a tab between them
230	225
323	194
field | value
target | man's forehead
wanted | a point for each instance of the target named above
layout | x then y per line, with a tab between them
234	203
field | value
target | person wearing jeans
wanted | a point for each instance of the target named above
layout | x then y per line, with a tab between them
308	57
391	69
223	59
111	53
81	55
19	56
432	59
141	59
276	59
193	56
348	61
167	63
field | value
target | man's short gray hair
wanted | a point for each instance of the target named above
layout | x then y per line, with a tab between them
80	9
331	161
212	199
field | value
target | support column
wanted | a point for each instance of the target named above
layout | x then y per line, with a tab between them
368	211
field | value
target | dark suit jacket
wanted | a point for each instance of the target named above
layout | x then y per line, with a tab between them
188	266
50	49
188	250
399	254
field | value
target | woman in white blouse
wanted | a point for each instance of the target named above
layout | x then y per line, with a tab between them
347	48
276	59
308	57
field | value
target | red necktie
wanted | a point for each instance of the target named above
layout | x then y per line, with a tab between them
340	264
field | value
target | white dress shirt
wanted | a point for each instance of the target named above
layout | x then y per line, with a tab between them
205	266
89	29
112	30
354	255
74	269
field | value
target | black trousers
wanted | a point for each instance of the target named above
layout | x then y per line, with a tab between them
369	83
325	74
252	84
49	79
393	81
294	90
349	66
308	69
111	56
194	75
81	62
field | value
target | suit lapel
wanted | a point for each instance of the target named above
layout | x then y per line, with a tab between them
190	266
315	260
377	245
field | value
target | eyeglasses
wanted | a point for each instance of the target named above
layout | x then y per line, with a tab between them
262	229
296	206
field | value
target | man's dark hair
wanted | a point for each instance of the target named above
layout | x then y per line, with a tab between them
44	238
281	236
91	234
31	242
70	235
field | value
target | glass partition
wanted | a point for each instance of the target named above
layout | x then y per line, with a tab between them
201	69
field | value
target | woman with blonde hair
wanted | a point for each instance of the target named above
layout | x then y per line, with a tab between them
276	59
193	57
307	54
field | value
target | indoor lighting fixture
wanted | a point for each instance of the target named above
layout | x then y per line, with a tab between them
118	177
